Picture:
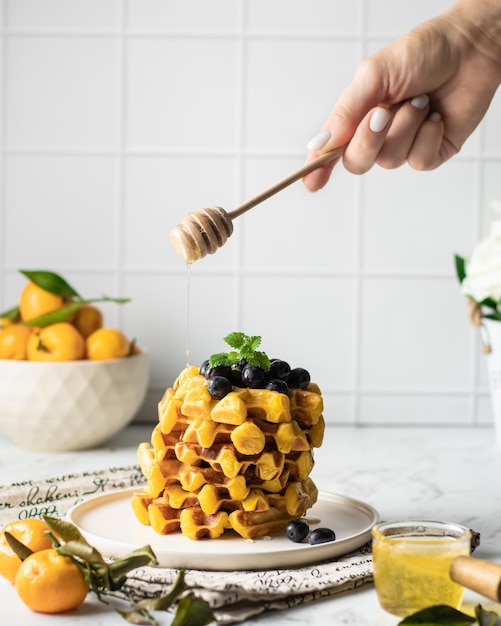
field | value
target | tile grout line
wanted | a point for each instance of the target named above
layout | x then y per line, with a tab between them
3	164
120	162
103	33
240	163
358	256
475	343
149	152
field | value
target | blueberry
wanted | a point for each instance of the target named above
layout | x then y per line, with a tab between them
219	370
277	384
299	378
236	377
279	369
218	387
253	376
297	530
241	363
322	535
204	367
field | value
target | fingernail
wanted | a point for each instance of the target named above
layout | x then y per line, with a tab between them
379	119
419	102
319	140
435	117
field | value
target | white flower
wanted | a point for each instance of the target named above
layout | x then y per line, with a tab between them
483	268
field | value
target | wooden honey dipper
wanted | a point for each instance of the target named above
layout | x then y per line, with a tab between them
204	231
481	576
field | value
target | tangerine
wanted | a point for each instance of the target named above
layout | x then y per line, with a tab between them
35	301
30	532
107	343
5	321
57	342
87	319
48	582
14	341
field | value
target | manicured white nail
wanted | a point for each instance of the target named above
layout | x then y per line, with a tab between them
319	140
419	102
435	116
379	119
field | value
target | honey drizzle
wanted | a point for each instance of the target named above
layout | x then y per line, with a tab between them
188	286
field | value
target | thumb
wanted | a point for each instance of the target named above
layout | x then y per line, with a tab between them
367	90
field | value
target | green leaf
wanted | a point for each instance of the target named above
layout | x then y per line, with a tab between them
489	302
22	551
12	314
105	298
438	616
163	603
83	551
192	612
245	348
59	315
485	618
260	359
139	613
235	340
66	530
137	616
138	558
253	342
460	264
50	281
222	358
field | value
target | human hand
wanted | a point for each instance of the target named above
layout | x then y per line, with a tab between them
418	99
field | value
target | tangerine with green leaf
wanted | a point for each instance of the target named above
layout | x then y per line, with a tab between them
30	532
48	582
35	301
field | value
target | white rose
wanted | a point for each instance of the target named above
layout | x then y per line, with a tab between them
483	269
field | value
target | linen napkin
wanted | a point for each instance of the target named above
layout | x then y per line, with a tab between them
233	596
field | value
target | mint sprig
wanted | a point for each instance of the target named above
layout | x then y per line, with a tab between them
244	347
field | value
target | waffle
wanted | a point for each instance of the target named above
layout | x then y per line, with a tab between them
241	463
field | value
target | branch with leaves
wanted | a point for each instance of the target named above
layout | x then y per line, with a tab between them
56	284
104	578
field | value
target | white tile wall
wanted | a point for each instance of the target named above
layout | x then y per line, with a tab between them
117	117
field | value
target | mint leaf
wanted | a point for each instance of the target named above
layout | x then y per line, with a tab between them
260	359
222	359
253	342
235	340
245	348
438	616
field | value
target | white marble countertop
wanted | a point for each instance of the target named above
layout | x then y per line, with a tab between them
451	474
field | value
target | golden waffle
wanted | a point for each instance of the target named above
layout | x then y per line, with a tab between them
240	463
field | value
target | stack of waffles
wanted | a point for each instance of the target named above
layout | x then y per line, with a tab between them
241	463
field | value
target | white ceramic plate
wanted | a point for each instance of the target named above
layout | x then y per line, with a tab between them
109	524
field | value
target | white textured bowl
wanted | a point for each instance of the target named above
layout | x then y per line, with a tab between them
70	405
